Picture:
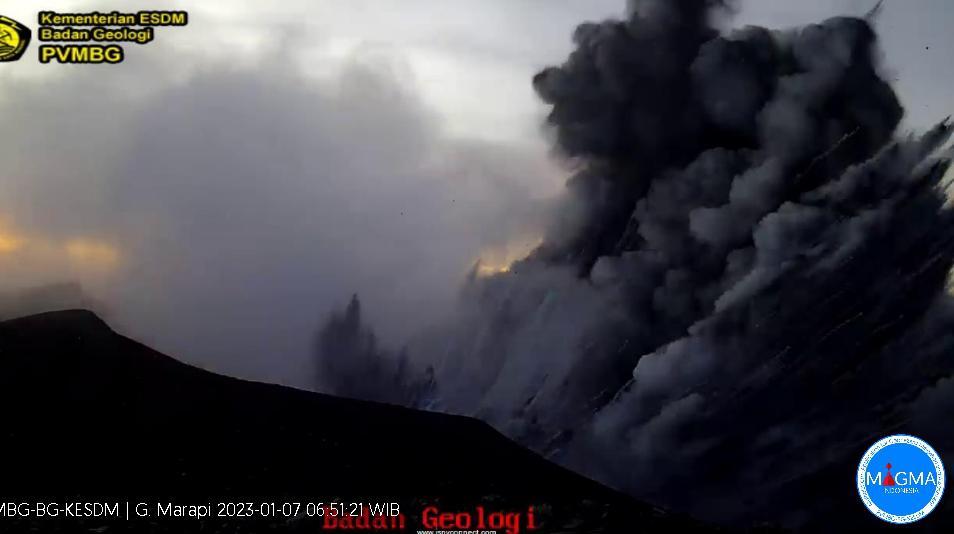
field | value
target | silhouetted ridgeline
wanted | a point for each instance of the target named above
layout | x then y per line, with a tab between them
46	298
90	413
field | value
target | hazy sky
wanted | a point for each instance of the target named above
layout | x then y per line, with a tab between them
471	59
231	181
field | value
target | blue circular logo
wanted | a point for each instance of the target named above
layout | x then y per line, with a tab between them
901	479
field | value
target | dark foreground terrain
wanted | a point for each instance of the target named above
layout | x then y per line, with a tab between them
89	415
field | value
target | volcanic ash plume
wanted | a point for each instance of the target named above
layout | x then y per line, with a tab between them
747	283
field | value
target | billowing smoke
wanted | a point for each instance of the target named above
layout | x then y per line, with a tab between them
218	212
746	284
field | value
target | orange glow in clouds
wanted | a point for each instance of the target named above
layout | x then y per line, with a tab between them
9	243
43	253
9	240
92	253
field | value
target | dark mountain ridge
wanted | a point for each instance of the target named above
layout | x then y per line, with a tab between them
91	413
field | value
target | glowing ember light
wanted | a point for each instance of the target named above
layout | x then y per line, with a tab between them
489	269
501	260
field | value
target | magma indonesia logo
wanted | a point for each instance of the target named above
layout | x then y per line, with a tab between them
14	39
901	479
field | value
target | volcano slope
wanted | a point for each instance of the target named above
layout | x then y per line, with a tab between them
89	413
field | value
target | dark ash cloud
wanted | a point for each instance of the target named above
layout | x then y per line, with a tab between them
754	284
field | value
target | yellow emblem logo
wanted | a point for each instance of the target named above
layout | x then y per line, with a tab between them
14	39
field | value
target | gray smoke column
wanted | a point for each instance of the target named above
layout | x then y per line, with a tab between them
747	283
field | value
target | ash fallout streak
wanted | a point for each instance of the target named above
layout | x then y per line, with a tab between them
745	285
